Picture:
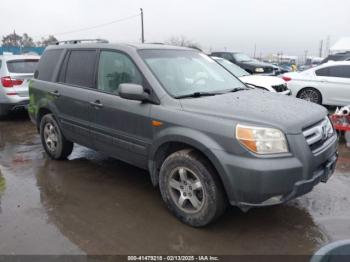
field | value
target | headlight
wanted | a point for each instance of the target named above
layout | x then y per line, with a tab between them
329	130
261	140
259	70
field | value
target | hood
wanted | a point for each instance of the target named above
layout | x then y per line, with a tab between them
263	81
260	108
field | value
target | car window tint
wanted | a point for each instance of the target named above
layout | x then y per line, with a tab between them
114	69
24	66
80	68
323	71
47	64
340	71
335	71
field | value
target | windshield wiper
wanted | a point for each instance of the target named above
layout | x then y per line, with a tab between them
236	89
196	94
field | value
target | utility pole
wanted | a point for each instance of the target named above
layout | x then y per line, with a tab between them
142	32
306	53
321	49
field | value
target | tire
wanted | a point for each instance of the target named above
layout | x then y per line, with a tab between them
52	139
195	204
310	94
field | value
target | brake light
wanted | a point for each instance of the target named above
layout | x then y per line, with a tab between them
286	78
7	81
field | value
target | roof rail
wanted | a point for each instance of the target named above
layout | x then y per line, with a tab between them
79	41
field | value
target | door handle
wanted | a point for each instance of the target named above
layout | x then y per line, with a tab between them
96	104
55	93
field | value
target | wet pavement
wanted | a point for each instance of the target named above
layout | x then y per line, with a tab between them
93	204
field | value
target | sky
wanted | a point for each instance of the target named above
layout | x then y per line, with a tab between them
288	26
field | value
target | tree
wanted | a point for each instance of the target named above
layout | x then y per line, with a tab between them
12	40
47	41
27	41
183	41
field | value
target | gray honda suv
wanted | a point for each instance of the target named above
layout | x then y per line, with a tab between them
206	139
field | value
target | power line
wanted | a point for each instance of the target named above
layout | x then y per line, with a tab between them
96	26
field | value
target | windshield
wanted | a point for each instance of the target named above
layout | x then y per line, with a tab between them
240	57
183	72
234	69
22	66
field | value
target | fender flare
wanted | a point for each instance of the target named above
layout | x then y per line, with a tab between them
193	138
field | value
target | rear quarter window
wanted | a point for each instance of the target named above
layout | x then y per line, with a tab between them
25	66
48	64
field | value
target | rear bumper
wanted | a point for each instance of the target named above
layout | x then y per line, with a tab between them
23	104
255	182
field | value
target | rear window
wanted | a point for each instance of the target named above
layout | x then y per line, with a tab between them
48	64
26	66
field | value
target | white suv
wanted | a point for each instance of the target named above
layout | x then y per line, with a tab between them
15	73
327	84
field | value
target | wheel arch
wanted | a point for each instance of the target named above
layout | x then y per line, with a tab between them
310	87
167	145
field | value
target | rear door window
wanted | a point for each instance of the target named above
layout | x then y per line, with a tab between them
48	64
24	66
80	68
335	71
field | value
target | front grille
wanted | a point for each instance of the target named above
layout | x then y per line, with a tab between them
280	88
318	134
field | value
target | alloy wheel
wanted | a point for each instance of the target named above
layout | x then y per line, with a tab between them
51	137
186	190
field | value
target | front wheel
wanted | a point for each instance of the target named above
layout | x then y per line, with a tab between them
310	94
54	143
191	188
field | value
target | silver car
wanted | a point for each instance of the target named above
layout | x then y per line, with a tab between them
15	73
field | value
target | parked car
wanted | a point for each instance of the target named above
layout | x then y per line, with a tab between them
15	73
249	64
285	68
343	56
269	83
205	138
327	84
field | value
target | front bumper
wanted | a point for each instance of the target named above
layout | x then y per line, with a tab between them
265	181
287	92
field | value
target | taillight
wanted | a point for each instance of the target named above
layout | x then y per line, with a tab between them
7	81
286	78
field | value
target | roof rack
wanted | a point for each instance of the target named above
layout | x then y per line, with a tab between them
79	41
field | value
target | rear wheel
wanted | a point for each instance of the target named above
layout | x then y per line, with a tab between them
310	94
191	189
54	143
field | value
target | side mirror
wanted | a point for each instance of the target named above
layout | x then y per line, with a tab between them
133	92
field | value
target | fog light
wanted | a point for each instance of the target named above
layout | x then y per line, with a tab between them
273	200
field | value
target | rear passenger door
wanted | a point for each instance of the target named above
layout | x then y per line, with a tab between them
120	127
75	83
335	83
